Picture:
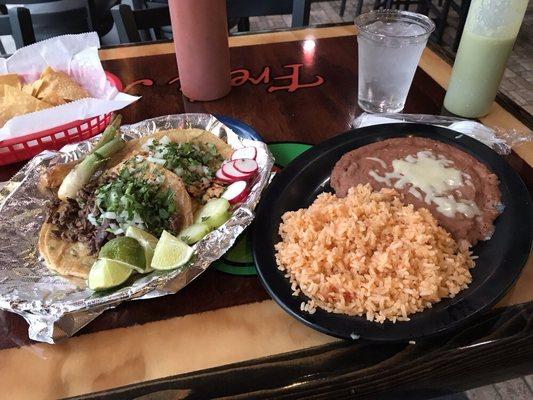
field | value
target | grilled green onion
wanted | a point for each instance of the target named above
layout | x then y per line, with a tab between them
109	133
82	172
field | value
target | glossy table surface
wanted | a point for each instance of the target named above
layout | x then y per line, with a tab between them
222	335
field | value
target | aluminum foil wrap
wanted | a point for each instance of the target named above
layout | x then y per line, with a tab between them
56	306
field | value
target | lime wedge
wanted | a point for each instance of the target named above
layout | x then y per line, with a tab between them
170	253
147	241
127	250
106	274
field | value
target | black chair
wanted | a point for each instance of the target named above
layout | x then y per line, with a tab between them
462	10
439	11
17	23
129	22
243	9
55	23
157	33
240	10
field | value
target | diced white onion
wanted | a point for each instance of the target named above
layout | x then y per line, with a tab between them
155	160
164	140
118	231
92	219
148	143
109	215
160	151
137	218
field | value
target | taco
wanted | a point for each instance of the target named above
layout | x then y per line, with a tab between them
135	192
192	154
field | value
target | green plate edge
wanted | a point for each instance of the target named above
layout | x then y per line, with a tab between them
238	260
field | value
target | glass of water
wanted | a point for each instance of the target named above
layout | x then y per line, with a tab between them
390	44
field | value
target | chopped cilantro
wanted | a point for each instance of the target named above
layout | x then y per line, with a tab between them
192	162
136	198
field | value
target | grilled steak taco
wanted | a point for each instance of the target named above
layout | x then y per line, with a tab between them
135	192
151	183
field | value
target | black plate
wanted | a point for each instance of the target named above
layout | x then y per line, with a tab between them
500	261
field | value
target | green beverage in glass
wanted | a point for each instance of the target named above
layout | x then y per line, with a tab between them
488	38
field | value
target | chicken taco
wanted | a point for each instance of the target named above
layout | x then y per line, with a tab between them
194	155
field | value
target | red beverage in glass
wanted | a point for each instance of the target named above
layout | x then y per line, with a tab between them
200	32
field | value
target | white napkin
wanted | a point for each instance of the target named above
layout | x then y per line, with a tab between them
473	129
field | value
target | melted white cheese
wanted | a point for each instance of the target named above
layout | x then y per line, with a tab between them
431	178
379	160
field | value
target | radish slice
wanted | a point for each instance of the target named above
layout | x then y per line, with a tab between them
232	173
244	152
236	192
221	176
245	165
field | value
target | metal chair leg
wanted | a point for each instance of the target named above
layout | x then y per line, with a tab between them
243	25
443	20
359	8
463	13
343	7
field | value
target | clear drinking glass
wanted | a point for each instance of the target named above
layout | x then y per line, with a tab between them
390	44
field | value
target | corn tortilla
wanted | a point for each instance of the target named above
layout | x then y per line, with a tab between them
73	258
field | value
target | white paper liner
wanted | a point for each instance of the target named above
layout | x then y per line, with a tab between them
77	55
499	139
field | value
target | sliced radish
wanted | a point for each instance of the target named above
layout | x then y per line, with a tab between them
245	165
232	173
222	177
236	192
244	152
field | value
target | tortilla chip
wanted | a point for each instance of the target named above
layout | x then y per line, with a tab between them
54	83
33	88
16	102
12	80
28	89
53	99
47	71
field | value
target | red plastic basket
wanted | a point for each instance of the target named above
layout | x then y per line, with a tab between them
27	146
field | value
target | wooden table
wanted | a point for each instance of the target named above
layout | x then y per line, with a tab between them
222	335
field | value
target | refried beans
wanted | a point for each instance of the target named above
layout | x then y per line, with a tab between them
458	190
